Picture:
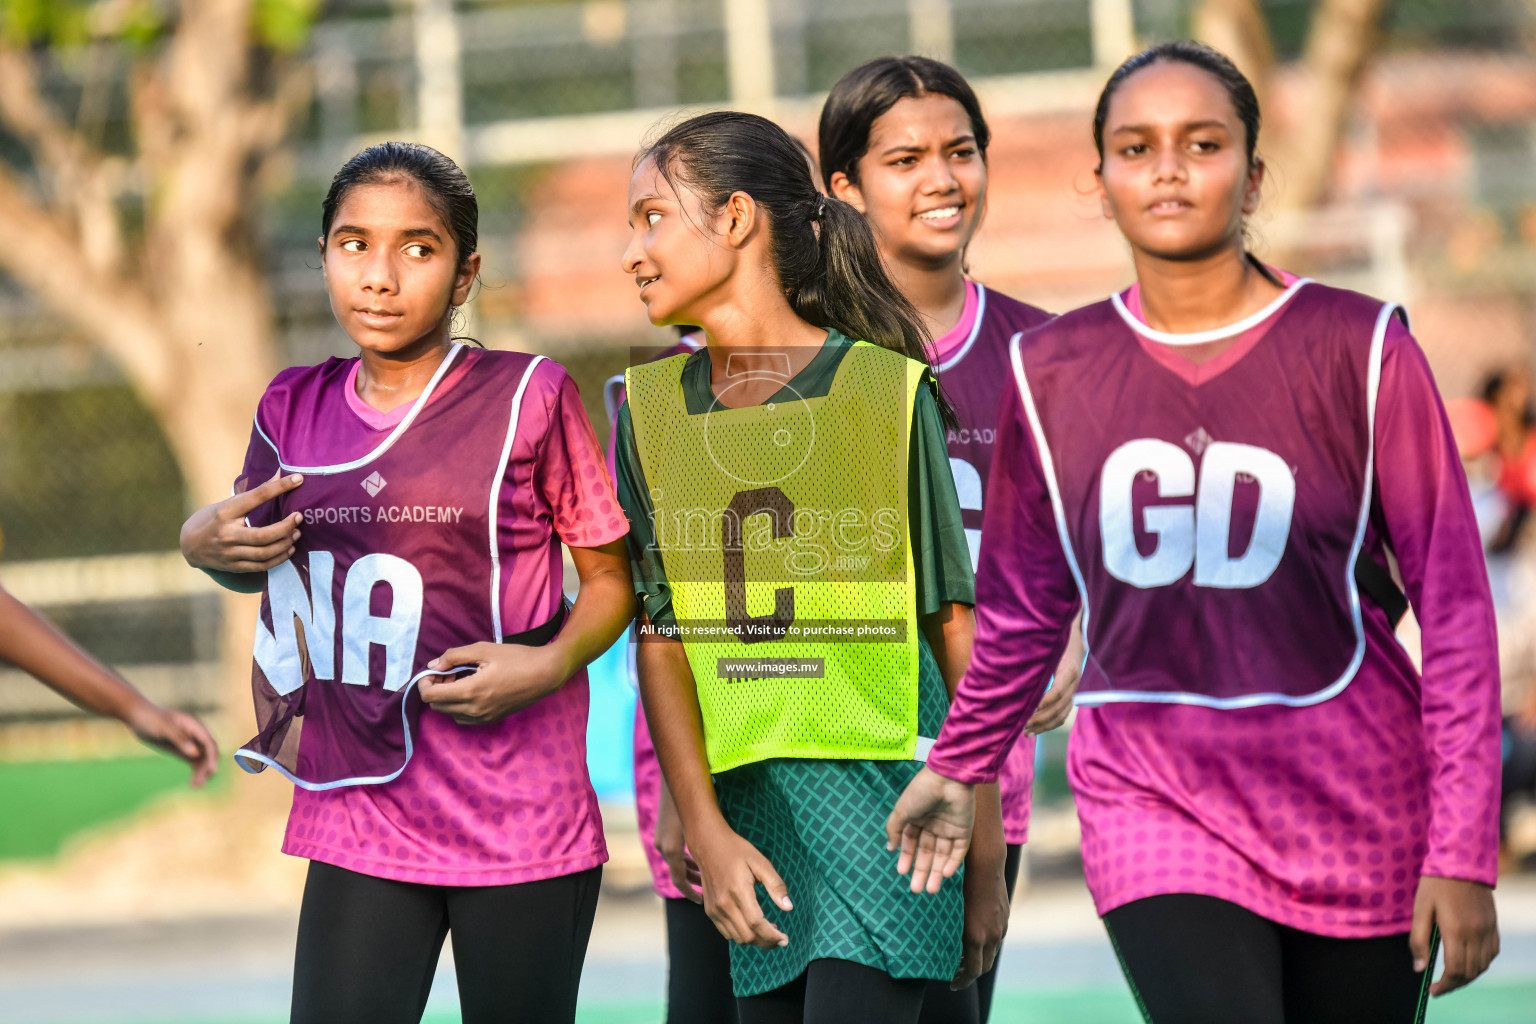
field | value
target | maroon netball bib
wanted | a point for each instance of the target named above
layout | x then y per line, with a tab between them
398	562
1213	527
975	379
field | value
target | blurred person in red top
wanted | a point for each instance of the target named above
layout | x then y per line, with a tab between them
1507	393
1496	435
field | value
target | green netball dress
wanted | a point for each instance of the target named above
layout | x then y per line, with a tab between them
820	820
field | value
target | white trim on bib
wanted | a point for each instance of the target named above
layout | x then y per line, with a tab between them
244	754
387	443
1215	333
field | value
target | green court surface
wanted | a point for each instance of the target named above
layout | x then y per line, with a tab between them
43	803
1483	1003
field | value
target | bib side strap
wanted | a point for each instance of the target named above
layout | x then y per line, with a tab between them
540	635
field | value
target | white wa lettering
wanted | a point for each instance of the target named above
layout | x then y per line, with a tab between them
1195	535
277	650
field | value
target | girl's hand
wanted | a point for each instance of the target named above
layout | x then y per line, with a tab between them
673	847
1056	705
1469	929
177	733
731	869
506	679
986	889
216	537
986	914
932	824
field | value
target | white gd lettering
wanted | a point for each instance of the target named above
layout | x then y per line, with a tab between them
1195	535
968	487
277	649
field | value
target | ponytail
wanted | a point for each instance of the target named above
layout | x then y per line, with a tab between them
822	248
850	290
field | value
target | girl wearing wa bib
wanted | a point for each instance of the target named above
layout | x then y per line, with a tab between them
1279	813
416	674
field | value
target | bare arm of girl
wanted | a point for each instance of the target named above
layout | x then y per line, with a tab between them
672	844
950	631
509	677
730	868
32	644
1056	705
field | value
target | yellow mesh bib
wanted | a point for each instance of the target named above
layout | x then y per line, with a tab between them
784	535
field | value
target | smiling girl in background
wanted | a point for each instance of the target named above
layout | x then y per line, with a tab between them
903	140
402	513
1278	812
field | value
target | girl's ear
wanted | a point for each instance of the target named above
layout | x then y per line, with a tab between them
1254	184
1098	183
465	279
847	191
738	219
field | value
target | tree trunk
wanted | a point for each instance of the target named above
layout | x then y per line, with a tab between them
228	359
184	313
1341	38
1237	28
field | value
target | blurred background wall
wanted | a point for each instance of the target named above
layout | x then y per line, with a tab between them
161	170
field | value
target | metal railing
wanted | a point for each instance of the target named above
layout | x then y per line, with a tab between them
502	85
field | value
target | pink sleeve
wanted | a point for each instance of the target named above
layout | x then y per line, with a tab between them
1025	600
573	479
1423	500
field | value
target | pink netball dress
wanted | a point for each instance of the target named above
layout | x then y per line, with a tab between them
1249	727
433	526
647	767
972	363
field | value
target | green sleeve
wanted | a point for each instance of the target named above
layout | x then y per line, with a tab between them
940	553
635	498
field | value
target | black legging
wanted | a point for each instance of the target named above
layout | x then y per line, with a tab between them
837	992
1201	960
698	967
699	971
368	947
940	1005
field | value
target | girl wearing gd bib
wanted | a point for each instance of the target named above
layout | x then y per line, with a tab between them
738	465
1278	812
402	513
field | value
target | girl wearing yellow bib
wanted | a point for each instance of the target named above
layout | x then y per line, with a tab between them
800	555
